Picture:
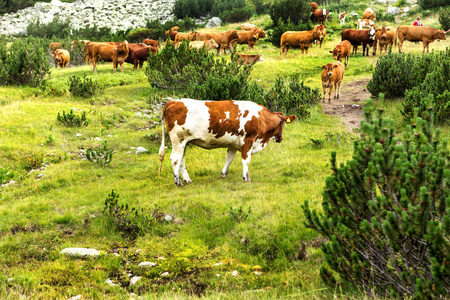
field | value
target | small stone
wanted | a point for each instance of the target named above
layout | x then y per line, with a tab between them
146	264
10	279
218	264
217	275
110	282
135	279
140	150
78	134
80	252
235	273
77	297
168	217
40	176
161	258
165	274
98	139
116	254
257	273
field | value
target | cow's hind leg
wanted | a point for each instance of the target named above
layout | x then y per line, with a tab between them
228	159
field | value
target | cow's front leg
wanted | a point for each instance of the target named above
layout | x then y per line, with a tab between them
228	159
177	160
246	152
183	170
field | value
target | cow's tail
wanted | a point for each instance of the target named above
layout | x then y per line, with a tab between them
162	149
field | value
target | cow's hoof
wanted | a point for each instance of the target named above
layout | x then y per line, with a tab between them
188	181
329	101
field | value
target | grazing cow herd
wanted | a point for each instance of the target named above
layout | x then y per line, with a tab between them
242	125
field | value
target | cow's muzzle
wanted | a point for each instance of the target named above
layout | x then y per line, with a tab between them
329	74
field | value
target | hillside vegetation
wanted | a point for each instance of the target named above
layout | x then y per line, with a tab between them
215	238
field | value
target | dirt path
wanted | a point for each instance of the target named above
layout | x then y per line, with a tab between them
349	106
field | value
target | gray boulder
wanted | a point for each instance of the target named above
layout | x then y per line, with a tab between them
393	10
213	22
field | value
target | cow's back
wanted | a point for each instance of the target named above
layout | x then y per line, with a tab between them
295	38
355	36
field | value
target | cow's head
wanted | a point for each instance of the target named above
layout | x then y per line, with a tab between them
441	34
319	32
255	33
213	44
337	52
329	68
372	31
278	134
381	33
262	34
122	47
57	56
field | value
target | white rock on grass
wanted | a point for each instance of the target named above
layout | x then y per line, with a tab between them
214	22
140	150
235	273
77	297
165	274
146	264
393	10
80	252
135	279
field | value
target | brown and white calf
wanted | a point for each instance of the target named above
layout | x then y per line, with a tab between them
237	125
332	75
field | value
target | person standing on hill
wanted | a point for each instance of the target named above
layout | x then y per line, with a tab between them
417	22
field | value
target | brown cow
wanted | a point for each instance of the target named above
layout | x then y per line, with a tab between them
341	51
181	36
134	47
369	14
314	6
53	46
332	75
359	37
297	39
424	34
248	26
237	125
246	37
61	57
384	36
320	15
114	53
141	55
88	50
223	39
150	42
173	35
321	32
249	59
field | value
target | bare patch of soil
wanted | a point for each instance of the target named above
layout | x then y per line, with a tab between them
350	105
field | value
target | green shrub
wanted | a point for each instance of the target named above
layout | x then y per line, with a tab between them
291	96
231	10
72	120
102	155
444	18
274	33
239	214
55	29
129	221
386	213
396	73
138	35
261	7
426	4
297	11
95	33
83	86
5	175
436	84
192	8
385	17
198	72
158	30
25	62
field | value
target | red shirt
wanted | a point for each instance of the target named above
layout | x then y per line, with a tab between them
417	23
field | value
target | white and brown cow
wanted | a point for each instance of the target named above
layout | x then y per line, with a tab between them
237	125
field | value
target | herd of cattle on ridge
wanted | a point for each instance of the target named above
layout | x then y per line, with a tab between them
243	125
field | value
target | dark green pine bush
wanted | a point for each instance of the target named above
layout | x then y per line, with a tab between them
198	72
83	86
437	85
297	11
386	212
444	18
24	62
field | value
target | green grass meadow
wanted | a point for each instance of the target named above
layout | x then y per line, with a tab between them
63	205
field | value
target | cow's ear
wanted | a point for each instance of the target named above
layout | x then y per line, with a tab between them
289	119
331	51
325	26
324	67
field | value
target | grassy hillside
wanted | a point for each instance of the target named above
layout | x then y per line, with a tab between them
221	225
